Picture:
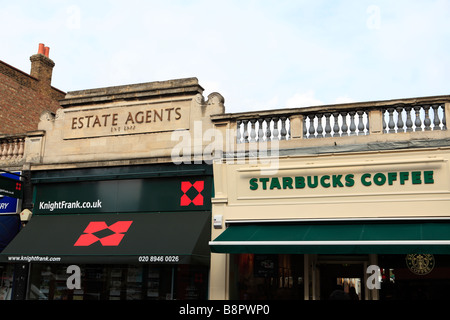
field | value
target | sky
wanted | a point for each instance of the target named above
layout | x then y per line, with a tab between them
258	54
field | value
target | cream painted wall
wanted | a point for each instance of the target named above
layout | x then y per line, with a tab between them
234	199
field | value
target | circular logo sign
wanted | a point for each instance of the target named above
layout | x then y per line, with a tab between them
420	264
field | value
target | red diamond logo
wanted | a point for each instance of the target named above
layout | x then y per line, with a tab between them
198	199
99	231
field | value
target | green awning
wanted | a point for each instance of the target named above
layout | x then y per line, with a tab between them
125	238
386	237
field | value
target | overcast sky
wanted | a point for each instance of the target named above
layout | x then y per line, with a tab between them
259	54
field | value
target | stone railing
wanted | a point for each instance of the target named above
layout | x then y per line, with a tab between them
12	147
18	149
263	129
355	120
411	118
336	124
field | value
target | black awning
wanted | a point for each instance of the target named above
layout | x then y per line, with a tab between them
9	227
131	238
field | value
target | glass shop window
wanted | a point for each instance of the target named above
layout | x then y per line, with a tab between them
120	282
260	277
6	281
414	277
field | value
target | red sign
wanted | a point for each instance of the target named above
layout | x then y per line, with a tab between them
107	235
185	187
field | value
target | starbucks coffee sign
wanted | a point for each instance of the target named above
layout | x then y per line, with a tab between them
130	119
342	180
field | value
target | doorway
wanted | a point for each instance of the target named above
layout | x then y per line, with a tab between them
342	275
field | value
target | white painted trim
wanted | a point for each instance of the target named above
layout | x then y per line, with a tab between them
330	243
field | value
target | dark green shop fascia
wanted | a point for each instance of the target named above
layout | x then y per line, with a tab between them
121	172
168	222
149	188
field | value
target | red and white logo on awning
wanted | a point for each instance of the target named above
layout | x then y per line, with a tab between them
107	235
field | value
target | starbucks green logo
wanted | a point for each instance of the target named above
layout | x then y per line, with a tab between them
420	264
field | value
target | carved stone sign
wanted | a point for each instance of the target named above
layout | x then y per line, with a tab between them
129	119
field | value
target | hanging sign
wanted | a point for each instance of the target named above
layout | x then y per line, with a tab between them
9	205
10	187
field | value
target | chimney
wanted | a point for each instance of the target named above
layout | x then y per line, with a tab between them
42	65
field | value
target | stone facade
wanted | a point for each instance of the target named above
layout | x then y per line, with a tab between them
131	124
365	162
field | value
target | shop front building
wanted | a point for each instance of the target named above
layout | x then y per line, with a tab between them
10	208
116	214
309	216
131	238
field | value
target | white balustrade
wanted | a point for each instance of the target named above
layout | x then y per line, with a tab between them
410	118
12	148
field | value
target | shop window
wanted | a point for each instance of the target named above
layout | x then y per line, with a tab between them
191	283
120	282
404	280
6	281
258	276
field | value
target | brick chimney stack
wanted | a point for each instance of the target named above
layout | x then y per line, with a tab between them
42	65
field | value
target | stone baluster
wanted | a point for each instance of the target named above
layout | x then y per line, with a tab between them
238	131
21	147
283	131
391	123
444	119
336	124
312	129
344	123
305	130
319	126
367	123
245	133
400	124
260	129
409	123
417	121
327	125
288	124
427	120
352	123
15	151
3	149
252	130
360	122
268	132
436	120
276	132
10	150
